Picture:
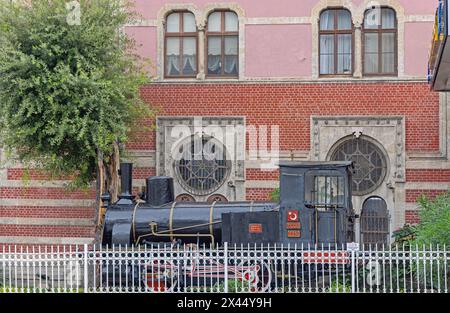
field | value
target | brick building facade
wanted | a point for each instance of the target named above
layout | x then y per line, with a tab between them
331	90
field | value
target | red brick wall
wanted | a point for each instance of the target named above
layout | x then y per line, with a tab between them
46	211
257	174
48	230
424	175
412	217
413	194
143	172
291	105
44	193
256	194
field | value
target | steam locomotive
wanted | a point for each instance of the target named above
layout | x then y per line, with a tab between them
315	208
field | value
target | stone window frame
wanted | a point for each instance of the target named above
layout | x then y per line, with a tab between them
380	31
357	13
222	34
164	162
381	149
201	18
336	32
180	35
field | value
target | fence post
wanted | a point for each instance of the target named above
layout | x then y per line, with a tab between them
353	247
225	254
353	271
86	282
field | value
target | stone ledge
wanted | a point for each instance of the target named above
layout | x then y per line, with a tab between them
47	221
45	240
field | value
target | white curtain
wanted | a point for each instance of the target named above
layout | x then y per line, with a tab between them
231	55
189	56
344	54
388	18
388	44
326	54
173	23
214	22
344	20
173	56
189	23
231	22
214	55
371	53
327	20
372	19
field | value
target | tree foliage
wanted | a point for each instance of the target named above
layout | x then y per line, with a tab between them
68	93
434	226
275	195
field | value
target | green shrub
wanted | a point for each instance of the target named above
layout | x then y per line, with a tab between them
434	226
275	195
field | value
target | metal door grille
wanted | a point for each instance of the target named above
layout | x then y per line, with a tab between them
374	222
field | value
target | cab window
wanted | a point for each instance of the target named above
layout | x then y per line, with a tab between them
324	191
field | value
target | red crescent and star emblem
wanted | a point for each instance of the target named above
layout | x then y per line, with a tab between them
292	215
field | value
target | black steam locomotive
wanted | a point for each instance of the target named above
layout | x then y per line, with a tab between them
315	208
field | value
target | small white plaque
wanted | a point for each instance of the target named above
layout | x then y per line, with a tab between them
353	246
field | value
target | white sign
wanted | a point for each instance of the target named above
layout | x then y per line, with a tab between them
352	246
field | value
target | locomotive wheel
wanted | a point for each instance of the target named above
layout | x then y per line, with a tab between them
160	278
256	276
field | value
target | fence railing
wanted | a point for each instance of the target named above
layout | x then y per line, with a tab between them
250	268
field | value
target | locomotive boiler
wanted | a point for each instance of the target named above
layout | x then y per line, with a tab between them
314	208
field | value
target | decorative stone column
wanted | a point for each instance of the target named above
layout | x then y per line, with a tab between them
201	51
358	51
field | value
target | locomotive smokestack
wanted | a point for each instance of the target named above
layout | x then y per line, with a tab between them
126	183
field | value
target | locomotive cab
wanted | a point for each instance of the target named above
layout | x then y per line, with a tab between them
315	203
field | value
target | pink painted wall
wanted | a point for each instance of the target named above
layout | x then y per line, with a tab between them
145	38
417	44
285	50
263	8
278	50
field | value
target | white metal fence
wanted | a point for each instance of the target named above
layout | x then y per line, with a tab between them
268	269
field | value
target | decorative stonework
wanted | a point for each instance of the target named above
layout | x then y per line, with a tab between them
357	18
201	17
389	133
233	188
326	131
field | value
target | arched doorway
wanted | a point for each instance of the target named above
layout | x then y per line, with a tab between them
374	222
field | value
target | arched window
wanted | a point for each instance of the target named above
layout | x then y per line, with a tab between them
202	166
181	45
380	42
336	42
369	161
222	35
374	222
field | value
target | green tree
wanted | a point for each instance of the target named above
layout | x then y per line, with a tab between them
69	87
275	195
434	226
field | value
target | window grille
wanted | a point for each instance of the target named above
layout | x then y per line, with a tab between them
203	166
369	161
